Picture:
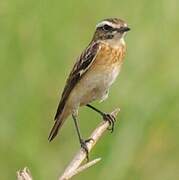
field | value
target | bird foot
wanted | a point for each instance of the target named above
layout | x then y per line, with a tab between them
84	146
111	119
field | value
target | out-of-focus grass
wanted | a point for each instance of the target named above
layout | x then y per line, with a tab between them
39	41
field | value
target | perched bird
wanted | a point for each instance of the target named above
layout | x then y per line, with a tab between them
93	74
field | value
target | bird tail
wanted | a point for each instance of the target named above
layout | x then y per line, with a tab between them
57	125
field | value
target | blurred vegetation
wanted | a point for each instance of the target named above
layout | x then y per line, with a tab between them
39	41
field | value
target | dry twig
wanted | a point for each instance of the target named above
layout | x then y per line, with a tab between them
75	166
24	174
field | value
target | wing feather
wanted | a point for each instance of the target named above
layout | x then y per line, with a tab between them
81	66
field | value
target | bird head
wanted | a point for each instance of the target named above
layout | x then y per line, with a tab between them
112	29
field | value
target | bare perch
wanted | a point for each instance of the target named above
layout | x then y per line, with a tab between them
74	166
24	174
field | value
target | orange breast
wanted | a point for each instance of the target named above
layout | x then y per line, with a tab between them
109	56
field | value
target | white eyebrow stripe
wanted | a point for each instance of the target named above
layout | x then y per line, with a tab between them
103	23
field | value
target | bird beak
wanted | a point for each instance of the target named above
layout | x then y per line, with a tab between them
123	29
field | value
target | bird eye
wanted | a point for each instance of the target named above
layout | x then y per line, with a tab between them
107	28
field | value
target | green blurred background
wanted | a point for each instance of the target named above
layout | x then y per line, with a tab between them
39	42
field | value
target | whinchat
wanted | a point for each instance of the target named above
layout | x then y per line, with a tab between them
93	73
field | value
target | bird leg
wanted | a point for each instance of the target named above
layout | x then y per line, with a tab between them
107	117
82	141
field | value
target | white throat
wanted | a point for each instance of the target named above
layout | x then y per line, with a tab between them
115	42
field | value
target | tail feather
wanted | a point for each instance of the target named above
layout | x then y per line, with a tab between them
57	125
55	130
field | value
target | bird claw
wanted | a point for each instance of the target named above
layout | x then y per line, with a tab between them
88	140
111	119
84	146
